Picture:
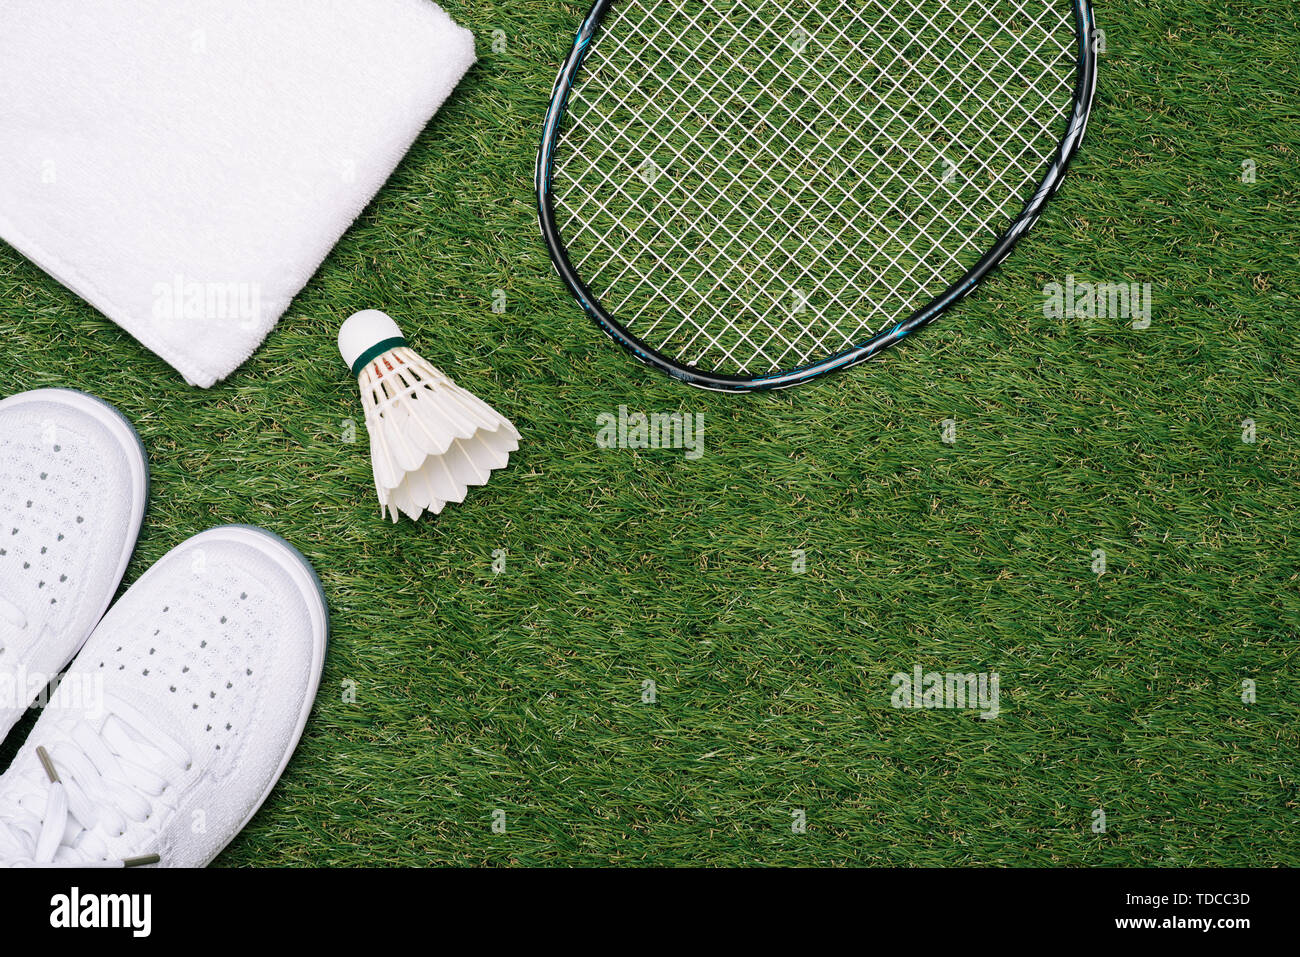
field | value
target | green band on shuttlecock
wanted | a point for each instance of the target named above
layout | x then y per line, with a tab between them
374	352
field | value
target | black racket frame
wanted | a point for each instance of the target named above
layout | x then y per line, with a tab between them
1084	91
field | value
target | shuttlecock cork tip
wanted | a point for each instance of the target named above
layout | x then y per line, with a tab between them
366	335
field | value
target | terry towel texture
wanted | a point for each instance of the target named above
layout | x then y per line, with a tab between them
186	165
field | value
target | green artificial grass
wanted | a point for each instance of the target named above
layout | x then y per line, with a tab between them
517	697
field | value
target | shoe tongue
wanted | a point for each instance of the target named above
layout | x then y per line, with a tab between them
162	716
91	704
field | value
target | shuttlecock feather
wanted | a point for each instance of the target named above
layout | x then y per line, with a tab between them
430	440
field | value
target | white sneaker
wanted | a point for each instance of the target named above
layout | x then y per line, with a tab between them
180	713
73	485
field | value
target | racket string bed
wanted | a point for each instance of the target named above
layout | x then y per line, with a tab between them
752	186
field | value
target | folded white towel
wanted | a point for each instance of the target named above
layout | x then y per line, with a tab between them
186	165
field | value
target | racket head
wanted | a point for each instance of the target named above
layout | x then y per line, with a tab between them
628	57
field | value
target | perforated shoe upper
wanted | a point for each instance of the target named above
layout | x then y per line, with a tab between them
180	712
73	483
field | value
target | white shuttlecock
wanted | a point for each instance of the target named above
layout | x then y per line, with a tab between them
430	440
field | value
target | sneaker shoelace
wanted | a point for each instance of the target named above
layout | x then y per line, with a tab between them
91	786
